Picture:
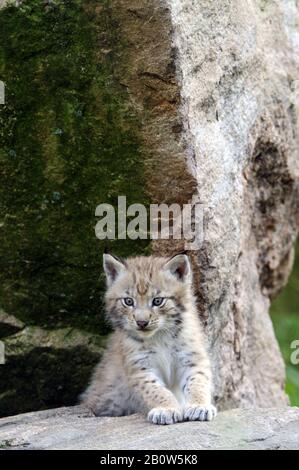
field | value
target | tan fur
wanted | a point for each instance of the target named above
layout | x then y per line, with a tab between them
162	369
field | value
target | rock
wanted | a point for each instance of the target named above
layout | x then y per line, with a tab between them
9	324
76	428
238	63
70	139
44	368
159	102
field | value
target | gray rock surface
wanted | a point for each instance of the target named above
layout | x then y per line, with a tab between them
238	63
76	428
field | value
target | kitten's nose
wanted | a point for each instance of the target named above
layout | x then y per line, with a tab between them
142	324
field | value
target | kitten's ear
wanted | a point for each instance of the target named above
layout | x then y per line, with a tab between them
179	266
113	267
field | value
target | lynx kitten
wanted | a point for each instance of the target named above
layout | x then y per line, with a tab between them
156	361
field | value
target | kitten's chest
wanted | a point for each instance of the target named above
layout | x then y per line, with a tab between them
165	362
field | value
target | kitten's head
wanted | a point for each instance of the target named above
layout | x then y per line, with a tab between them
147	294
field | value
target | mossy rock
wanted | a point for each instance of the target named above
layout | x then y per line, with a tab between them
46	368
91	113
9	324
69	141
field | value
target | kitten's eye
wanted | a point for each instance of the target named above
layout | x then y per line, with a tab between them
128	302
158	301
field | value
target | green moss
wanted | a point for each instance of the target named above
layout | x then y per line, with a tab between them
69	141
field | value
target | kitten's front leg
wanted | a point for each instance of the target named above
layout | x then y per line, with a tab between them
196	385
164	407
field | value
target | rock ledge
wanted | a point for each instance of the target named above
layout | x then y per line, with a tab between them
76	428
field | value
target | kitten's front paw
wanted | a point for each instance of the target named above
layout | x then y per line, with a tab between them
165	416
200	413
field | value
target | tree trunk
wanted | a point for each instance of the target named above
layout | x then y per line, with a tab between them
160	101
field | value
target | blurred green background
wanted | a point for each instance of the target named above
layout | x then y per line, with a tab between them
285	316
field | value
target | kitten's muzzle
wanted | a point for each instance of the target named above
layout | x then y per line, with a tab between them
142	324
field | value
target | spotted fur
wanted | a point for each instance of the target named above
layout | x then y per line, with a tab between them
163	368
